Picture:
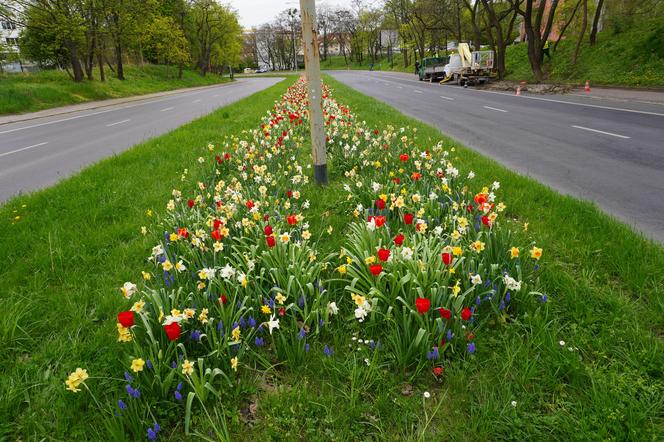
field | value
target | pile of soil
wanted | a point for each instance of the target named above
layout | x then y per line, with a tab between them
541	88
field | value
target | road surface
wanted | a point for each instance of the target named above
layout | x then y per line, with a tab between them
37	153
607	151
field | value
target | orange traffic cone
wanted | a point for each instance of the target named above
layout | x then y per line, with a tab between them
587	87
518	91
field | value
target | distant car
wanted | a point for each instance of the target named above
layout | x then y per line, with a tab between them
249	71
262	70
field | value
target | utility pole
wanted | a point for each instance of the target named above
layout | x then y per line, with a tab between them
312	69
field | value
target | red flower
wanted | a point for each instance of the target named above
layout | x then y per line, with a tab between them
416	176
383	254
190	203
376	132
216	235
398	240
289	194
466	314
267	230
282	311
218	158
292	219
447	258
408	218
375	269
485	220
396	180
445	313
173	331
250	204
422	305
223	299
126	318
380	204
403	157
469	209
379	220
437	371
480	198
217	223
418	226
182	233
270	241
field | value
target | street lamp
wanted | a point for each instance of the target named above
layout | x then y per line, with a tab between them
312	67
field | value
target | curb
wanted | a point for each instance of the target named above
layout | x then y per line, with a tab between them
64	110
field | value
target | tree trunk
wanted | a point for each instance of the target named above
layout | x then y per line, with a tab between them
582	32
100	62
118	61
73	59
598	14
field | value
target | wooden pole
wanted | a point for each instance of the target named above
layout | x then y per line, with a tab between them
312	69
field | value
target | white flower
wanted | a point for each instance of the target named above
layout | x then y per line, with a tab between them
495	185
512	284
172	318
376	186
427	395
407	253
128	289
272	323
227	272
360	313
438	230
476	279
371	225
562	343
513	403
332	308
471	175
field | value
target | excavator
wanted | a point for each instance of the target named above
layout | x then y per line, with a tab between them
469	67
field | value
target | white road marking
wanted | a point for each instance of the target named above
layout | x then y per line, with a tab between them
118	122
418	91
22	149
196	101
399	87
601	132
446	98
494	108
167	109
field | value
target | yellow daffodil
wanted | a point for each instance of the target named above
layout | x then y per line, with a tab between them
234	363
137	365
187	367
235	334
514	252
536	253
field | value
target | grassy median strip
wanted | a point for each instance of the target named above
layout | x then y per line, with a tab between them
30	92
589	364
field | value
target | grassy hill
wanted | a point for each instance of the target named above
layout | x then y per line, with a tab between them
31	92
634	57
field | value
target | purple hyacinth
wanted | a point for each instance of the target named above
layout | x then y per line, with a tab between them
501	306
478	301
471	348
508	297
307	347
301	334
251	322
128	377
178	396
259	341
196	335
121	404
148	363
152	435
544	298
328	351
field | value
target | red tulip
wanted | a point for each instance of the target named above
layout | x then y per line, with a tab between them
416	176
447	258
422	305
383	254
173	331
466	314
379	220
182	232
485	220
437	371
126	318
445	313
223	299
216	235
403	157
396	180
398	240
250	204
190	203
376	132
216	224
408	218
480	198
282	311
292	219
376	269
270	241
380	204
267	230
289	194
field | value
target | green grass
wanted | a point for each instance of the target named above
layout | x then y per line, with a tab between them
29	92
336	62
634	57
78	241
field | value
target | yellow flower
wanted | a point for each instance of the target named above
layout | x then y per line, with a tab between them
342	269
330	229
266	309
147	276
189	313
349	260
536	253
234	363
514	252
167	265
187	367
525	227
203	317
218	247
457	251
137	365
359	300
124	335
235	334
75	379
456	289
138	306
174	237
280	298
306	234
478	246
370	260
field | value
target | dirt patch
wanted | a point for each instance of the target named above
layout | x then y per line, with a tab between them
541	88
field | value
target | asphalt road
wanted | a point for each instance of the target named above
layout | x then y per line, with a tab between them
609	152
39	152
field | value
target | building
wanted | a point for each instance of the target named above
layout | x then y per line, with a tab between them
9	50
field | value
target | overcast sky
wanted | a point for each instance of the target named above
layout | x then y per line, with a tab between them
257	12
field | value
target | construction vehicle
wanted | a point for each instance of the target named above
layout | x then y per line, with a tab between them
431	68
469	67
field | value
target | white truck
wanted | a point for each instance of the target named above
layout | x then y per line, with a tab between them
469	67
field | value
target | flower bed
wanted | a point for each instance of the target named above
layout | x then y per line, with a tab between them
236	278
